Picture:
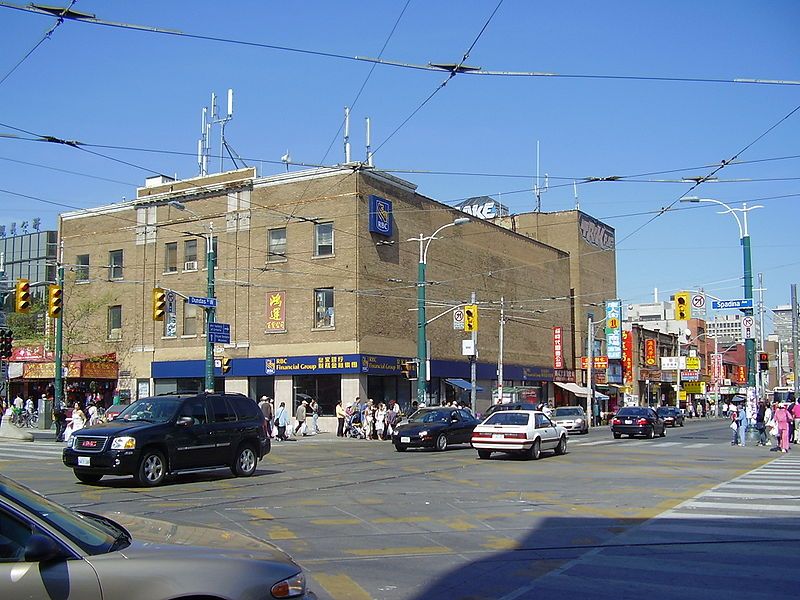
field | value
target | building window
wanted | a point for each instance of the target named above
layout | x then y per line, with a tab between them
323	308
276	250
115	322
189	318
323	239
82	267
115	264
171	257
190	255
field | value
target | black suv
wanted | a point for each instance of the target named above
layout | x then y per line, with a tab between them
158	436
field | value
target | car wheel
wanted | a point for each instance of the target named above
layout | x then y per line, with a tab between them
245	463
617	436
484	454
152	468
87	477
651	433
400	447
664	432
441	442
536	450
562	446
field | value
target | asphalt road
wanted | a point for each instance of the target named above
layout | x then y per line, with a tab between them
683	516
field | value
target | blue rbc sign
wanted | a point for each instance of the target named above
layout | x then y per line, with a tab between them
380	216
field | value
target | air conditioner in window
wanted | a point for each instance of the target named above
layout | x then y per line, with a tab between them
190	265
115	334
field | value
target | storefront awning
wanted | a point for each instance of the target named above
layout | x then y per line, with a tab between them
583	392
463	384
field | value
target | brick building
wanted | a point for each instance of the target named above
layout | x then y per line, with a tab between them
319	305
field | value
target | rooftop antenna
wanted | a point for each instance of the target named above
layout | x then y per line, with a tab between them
222	121
204	143
369	147
346	134
575	191
538	191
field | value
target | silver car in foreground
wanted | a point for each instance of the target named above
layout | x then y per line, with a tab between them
571	418
50	551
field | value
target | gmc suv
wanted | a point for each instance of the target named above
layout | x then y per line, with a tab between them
163	435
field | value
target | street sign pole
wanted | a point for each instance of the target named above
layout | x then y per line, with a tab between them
750	343
210	310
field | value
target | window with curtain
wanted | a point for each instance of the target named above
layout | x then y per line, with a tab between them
171	257
323	308
323	239
276	250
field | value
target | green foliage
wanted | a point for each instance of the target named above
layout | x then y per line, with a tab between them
29	329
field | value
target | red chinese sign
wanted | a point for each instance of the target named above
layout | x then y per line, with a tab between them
627	357
716	366
650	353
276	312
558	348
598	362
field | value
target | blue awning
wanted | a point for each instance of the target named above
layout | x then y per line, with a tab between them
463	384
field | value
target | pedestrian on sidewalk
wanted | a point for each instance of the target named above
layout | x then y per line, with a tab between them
734	425
314	407
782	418
743	422
60	419
265	404
340	415
795	412
282	421
300	428
762	417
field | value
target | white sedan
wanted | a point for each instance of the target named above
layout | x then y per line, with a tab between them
524	432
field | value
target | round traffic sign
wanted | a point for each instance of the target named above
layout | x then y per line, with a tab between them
698	301
458	315
748	322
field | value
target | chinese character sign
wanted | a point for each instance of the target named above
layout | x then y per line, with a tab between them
558	348
613	329
276	312
741	374
650	353
627	357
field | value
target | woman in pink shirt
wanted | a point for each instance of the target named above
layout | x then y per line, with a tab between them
782	419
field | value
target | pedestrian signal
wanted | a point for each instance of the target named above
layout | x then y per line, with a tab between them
159	304
471	317
763	361
6	343
55	301
23	296
226	364
683	309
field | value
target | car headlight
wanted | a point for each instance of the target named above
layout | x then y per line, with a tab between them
423	433
72	441
290	588
123	443
579	421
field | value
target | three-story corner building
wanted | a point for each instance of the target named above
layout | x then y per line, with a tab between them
316	274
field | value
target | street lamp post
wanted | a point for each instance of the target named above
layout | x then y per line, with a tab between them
744	237
422	340
211	311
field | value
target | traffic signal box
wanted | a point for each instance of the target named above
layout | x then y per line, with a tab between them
763	361
55	301
470	317
683	307
409	369
23	296
226	364
159	304
6	343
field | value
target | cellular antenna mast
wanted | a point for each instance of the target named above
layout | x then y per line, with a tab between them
346	134
369	146
538	191
575	191
204	143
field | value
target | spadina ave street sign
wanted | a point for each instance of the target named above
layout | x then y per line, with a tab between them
744	303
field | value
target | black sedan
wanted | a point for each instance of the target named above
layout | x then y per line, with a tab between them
436	427
637	420
673	417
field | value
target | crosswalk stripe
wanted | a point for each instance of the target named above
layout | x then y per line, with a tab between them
703	445
665	444
751	507
26	451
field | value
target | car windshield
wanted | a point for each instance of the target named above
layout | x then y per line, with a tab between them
154	410
93	536
568	412
430	416
507	418
632	411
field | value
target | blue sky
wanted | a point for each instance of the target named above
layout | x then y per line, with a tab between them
132	89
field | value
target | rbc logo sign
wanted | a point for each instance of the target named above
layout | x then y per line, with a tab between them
380	216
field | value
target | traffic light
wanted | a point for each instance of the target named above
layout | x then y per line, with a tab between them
6	343
763	361
683	307
159	304
55	301
471	317
23	297
226	364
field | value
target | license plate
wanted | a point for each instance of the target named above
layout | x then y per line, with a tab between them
497	436
405	440
84	461
628	421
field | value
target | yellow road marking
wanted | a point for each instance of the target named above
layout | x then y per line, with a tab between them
335	521
281	533
461	525
369	501
259	514
341	587
500	543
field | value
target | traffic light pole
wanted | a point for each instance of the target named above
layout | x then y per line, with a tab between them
58	392
210	310
749	343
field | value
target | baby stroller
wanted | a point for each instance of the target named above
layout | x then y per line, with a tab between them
352	425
